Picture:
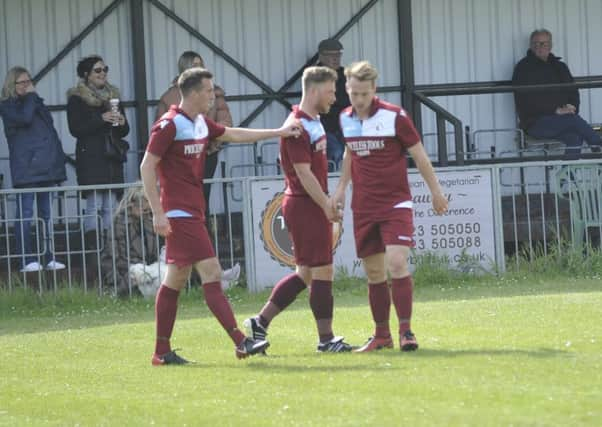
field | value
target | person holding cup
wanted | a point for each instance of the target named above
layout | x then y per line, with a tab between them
96	119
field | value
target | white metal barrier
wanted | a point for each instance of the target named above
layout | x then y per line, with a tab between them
534	205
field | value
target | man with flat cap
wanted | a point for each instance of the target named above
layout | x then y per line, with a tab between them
329	55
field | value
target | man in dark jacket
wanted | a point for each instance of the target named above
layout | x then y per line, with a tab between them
329	55
552	113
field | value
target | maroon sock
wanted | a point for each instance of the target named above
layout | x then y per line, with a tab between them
166	306
380	304
402	299
286	291
221	309
321	303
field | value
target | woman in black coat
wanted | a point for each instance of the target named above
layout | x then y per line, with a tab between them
36	160
99	152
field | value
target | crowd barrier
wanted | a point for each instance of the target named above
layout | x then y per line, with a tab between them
536	205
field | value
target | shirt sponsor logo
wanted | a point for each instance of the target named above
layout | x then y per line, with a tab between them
363	148
193	149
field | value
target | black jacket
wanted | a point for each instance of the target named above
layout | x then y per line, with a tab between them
35	150
532	105
330	121
93	166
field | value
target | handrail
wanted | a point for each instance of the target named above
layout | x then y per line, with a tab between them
422	93
503	86
442	116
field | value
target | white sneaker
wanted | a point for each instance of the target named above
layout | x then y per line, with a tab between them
226	285
55	265
32	266
232	274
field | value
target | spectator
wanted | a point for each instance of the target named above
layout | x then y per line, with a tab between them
553	113
133	241
98	131
329	55
36	160
219	113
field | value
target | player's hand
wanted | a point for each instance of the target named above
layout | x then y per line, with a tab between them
291	127
439	203
161	225
330	211
339	200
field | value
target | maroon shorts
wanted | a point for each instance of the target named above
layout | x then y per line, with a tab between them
309	230
371	236
188	242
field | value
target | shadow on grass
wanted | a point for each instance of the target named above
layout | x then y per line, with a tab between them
365	362
540	353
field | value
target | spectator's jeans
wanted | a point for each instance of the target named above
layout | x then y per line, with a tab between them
99	202
23	225
569	128
335	147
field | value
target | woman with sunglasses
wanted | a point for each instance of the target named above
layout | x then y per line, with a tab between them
36	160
97	128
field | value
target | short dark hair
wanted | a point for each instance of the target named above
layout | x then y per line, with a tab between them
85	65
316	75
192	79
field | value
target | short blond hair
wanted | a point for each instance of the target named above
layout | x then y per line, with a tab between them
317	75
362	71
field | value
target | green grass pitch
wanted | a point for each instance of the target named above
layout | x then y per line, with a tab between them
522	353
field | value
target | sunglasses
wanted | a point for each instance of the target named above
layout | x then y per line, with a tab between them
99	70
23	82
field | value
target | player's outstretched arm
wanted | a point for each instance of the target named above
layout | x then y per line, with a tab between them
148	172
290	128
428	173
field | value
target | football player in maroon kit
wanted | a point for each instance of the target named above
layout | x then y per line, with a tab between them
378	135
308	213
176	153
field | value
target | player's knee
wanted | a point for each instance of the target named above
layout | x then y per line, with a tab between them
375	274
176	277
398	267
210	270
324	272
